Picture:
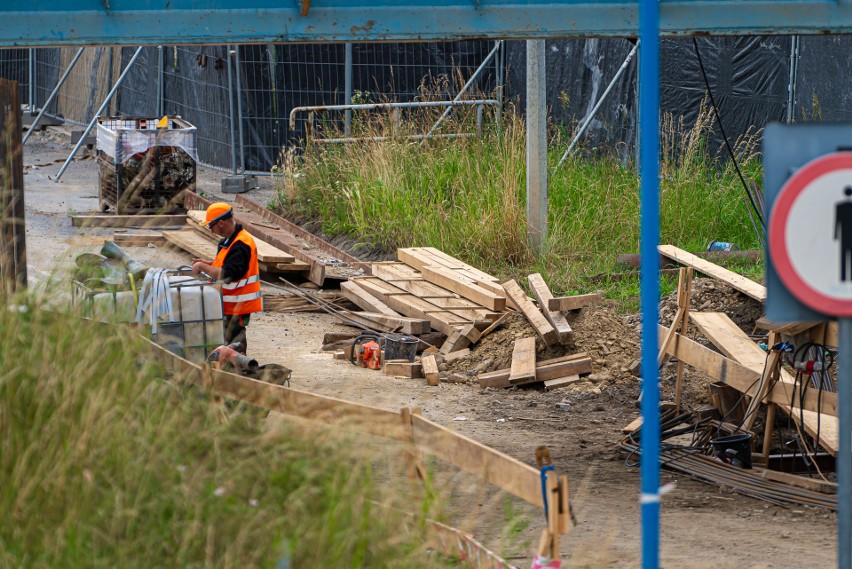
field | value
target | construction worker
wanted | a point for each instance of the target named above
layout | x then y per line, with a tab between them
236	267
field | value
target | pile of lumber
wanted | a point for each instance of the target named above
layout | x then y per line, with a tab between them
748	377
303	251
428	290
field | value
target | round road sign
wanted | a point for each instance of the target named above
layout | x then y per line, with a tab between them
810	234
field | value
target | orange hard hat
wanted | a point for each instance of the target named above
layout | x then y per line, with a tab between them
218	211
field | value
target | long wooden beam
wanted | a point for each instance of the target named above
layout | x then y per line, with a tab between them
738	282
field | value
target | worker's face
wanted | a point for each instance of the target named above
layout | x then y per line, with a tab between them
219	227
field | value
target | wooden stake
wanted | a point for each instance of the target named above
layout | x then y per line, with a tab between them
684	294
767	433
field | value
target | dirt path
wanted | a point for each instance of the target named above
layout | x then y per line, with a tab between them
702	526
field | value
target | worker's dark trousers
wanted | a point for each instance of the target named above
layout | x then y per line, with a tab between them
235	330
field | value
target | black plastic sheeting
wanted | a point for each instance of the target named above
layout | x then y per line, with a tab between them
749	78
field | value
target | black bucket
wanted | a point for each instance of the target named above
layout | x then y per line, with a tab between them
400	347
733	449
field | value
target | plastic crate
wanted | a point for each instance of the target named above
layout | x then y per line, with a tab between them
142	168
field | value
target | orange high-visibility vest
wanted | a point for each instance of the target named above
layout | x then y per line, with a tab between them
242	296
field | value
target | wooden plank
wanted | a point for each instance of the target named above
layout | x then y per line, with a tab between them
430	370
523	361
789	328
266	253
667	340
128	221
448	279
455	341
192	243
734	343
409	280
556	319
366	301
566	303
242	202
633	426
138	239
403	368
496	324
457	355
495	467
744	379
419	257
738	282
545	370
386	323
816	484
409	304
542	327
560	382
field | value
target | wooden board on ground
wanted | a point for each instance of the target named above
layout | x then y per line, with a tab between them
192	243
419	257
448	279
385	323
128	221
266	253
551	384
523	361
556	319
568	303
138	239
430	370
457	355
403	368
734	343
739	282
365	300
542	327
545	370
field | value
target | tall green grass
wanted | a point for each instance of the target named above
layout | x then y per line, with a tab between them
467	197
103	463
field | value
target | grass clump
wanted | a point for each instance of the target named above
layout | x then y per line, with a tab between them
467	197
105	464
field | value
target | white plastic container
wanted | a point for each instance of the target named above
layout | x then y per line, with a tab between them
198	325
113	306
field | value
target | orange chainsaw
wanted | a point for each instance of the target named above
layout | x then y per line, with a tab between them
367	351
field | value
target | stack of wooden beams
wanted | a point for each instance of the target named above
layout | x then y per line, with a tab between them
303	251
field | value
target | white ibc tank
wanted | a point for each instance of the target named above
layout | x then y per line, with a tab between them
195	326
113	306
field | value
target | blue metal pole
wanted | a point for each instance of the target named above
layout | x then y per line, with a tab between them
844	464
649	138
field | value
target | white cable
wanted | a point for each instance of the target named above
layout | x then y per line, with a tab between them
155	298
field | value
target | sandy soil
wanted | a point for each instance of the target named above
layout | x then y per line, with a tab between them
702	525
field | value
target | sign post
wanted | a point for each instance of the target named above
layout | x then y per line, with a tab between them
810	251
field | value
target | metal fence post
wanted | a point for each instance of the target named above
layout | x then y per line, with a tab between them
160	76
791	85
536	146
231	110
53	93
32	86
347	90
110	112
500	79
240	109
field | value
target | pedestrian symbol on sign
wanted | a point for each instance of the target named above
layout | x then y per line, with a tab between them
843	234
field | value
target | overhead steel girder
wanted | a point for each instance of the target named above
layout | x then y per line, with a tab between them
156	22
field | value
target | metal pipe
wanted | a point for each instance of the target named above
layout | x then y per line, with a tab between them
240	109
649	122
347	90
791	85
32	87
479	111
465	87
844	447
53	94
231	110
588	119
500	75
374	106
384	138
98	113
160	77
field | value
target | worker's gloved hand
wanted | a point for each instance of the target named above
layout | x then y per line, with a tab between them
198	266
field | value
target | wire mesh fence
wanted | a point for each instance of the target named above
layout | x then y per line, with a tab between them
240	97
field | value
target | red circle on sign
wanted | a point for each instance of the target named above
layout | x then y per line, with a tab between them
787	197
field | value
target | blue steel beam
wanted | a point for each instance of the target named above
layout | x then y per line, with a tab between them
169	22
